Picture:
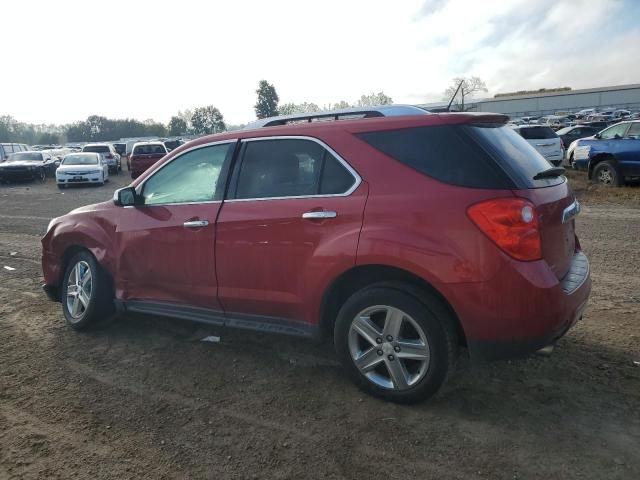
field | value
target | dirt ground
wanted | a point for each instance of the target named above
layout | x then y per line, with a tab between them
144	398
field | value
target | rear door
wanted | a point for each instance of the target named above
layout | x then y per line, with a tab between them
289	225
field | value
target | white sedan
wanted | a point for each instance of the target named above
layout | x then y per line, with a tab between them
82	168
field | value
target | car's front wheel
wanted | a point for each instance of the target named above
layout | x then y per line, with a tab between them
393	345
42	175
87	296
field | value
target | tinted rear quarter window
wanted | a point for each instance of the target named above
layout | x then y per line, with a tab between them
149	150
537	133
446	153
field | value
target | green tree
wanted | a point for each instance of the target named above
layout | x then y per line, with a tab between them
206	120
374	99
470	86
291	108
267	105
340	105
177	126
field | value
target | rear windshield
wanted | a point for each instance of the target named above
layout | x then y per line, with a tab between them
149	150
121	148
537	133
96	149
79	159
29	156
516	156
446	153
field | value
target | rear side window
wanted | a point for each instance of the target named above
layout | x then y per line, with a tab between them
446	153
96	149
289	168
537	133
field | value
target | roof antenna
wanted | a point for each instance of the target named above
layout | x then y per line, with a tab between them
454	95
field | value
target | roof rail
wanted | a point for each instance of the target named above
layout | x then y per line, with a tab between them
342	114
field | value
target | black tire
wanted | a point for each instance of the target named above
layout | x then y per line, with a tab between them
428	313
42	176
605	173
100	302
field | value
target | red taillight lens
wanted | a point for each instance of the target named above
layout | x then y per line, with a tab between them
512	224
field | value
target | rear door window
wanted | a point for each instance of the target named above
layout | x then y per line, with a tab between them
288	168
446	153
634	130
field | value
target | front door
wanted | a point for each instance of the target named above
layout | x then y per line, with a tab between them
290	224
167	245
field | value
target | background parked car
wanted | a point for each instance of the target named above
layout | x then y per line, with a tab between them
26	166
569	134
144	155
544	140
82	168
109	154
611	155
7	149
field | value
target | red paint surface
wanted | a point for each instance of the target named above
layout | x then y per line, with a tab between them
261	257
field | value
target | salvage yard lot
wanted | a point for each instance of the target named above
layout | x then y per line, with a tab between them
143	397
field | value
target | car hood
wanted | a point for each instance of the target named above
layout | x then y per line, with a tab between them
79	168
94	207
586	140
21	163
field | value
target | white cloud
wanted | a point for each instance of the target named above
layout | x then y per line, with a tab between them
70	59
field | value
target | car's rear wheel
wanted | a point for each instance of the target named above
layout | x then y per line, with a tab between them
42	175
393	345
605	173
87	296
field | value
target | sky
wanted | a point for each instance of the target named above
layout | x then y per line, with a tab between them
64	60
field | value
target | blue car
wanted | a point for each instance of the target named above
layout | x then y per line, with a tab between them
611	155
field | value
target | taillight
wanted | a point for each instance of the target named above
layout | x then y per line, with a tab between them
512	224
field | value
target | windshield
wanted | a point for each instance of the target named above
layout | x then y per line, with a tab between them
79	159
96	148
25	156
537	133
564	131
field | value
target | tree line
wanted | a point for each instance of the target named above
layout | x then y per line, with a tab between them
199	121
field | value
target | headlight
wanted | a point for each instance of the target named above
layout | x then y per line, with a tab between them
581	153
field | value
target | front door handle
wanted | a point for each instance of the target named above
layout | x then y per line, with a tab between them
319	215
196	224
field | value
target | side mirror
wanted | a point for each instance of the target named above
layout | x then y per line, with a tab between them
597	135
126	197
617	137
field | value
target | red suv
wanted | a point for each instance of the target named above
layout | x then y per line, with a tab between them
402	237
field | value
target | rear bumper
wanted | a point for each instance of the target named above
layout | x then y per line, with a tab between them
524	308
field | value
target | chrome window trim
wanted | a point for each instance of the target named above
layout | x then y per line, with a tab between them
140	186
343	162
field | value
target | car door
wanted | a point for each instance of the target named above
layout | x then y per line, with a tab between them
290	223
628	151
166	245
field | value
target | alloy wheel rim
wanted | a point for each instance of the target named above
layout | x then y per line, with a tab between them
79	289
389	347
605	176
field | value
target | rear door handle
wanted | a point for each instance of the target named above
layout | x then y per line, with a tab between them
319	215
196	224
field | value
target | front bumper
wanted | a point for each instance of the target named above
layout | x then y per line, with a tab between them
13	175
64	179
524	308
